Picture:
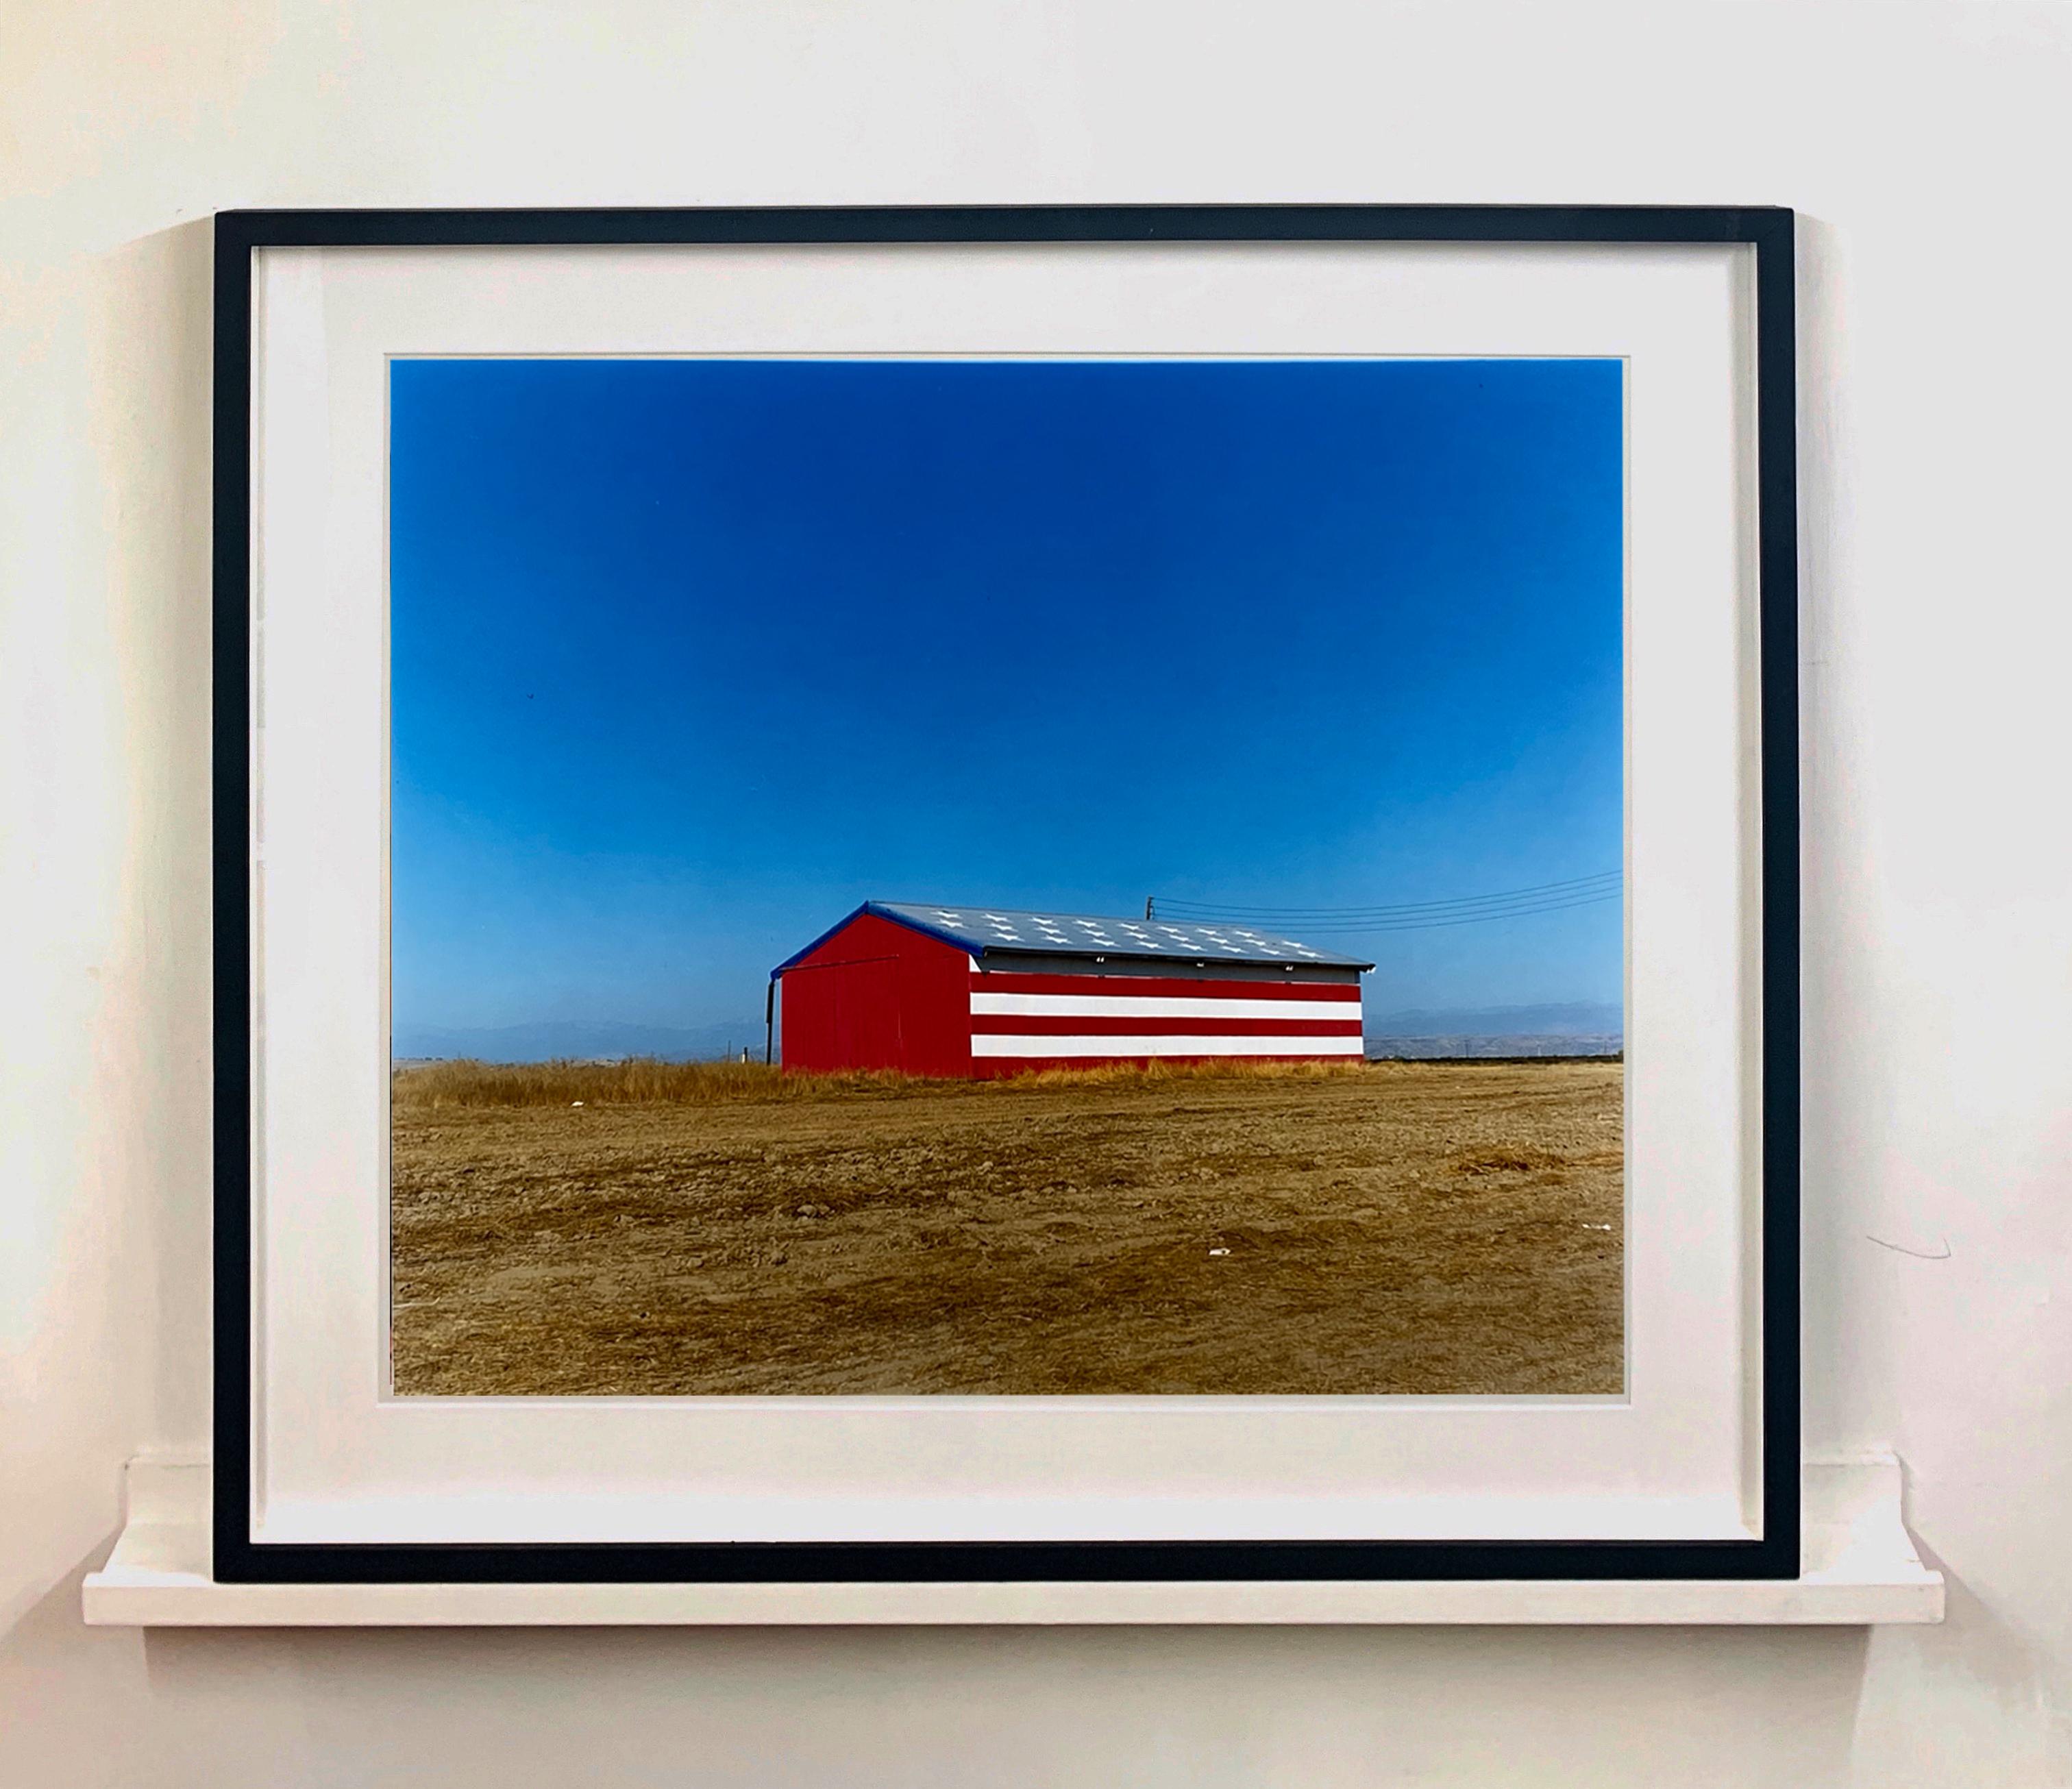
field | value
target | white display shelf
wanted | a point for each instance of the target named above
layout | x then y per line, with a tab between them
1860	1568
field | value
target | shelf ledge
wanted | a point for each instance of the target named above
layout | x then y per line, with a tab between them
1860	1569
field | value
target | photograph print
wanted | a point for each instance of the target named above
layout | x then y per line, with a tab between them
1007	877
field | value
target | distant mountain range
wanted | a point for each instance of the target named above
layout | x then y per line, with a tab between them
1580	1028
1576	1018
579	1040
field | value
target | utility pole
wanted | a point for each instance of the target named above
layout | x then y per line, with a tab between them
1150	906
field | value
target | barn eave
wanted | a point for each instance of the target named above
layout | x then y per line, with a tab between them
991	955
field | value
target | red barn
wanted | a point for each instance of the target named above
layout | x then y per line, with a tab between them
977	992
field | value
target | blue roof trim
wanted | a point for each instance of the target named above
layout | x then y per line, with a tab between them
994	933
799	956
922	926
882	912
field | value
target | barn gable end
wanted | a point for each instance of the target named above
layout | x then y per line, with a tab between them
873	994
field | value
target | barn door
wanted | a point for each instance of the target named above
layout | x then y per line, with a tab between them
866	1015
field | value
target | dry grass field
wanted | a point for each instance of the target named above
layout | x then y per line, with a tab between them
1437	1227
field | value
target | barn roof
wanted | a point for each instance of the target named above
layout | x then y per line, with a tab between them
997	931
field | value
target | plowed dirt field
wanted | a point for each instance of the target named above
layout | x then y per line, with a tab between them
1423	1228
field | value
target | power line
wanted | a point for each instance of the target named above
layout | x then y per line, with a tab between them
1369	927
1574	883
1499	904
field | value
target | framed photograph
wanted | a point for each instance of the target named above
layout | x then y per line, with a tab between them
1098	893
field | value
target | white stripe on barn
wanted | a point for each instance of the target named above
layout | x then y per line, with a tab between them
1150	1007
1164	1044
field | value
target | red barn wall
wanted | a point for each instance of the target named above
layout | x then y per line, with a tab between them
878	995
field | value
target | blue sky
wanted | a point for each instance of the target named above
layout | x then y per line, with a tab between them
690	657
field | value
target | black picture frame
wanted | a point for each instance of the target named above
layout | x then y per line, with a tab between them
1775	1554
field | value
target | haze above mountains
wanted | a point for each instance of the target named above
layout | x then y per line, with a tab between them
1585	1025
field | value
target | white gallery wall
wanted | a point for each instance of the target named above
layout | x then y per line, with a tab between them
1928	148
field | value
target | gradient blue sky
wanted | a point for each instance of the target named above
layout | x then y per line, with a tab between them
690	657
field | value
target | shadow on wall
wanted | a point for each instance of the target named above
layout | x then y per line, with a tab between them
1753	1706
869	1706
105	1319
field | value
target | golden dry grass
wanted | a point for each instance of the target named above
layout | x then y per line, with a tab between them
1399	1226
646	1080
